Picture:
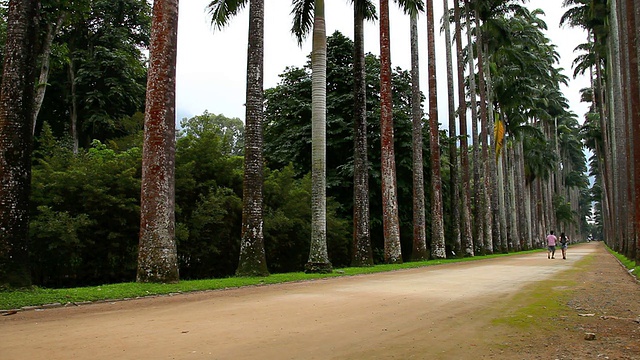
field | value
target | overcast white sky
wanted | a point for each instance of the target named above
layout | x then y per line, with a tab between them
211	66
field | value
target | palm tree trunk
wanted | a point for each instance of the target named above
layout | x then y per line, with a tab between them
16	103
419	228
465	193
390	220
497	233
45	57
514	233
318	254
454	186
252	260
484	140
437	223
157	253
73	111
478	225
633	48
362	253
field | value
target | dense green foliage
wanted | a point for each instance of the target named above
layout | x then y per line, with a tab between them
86	216
288	121
84	213
98	68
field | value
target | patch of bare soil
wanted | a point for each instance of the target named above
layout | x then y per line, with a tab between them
438	312
600	318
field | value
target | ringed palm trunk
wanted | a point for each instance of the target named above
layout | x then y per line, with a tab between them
419	227
157	253
484	140
390	220
362	253
633	20
252	256
465	192
454	182
478	226
438	250
16	102
318	254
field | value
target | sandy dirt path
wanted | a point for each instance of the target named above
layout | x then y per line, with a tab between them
439	312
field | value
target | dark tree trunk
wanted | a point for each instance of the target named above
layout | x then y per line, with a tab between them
252	256
390	220
16	104
157	253
485	201
454	185
362	253
632	13
437	223
477	227
465	192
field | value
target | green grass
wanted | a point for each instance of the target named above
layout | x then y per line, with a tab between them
15	299
629	264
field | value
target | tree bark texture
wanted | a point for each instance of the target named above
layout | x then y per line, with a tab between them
633	14
318	254
16	103
465	192
484	140
477	227
438	250
454	181
390	218
157	253
362	253
252	260
419	218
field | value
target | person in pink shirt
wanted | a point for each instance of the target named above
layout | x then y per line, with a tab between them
551	245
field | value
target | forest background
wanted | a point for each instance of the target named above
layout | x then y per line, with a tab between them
86	166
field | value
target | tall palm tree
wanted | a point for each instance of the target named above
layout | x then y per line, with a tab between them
466	238
157	252
362	254
16	102
484	142
454	182
390	220
413	8
437	222
303	21
252	260
419	218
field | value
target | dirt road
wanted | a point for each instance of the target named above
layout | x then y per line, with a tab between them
439	312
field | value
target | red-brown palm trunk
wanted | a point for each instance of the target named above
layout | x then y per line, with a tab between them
390	220
362	253
157	253
437	223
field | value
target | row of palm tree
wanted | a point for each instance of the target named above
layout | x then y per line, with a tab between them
610	130
524	150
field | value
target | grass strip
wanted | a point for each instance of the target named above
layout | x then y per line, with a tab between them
37	296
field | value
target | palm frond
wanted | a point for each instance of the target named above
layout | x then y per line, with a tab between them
303	17
222	11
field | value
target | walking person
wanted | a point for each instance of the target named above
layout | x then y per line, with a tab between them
551	245
564	241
